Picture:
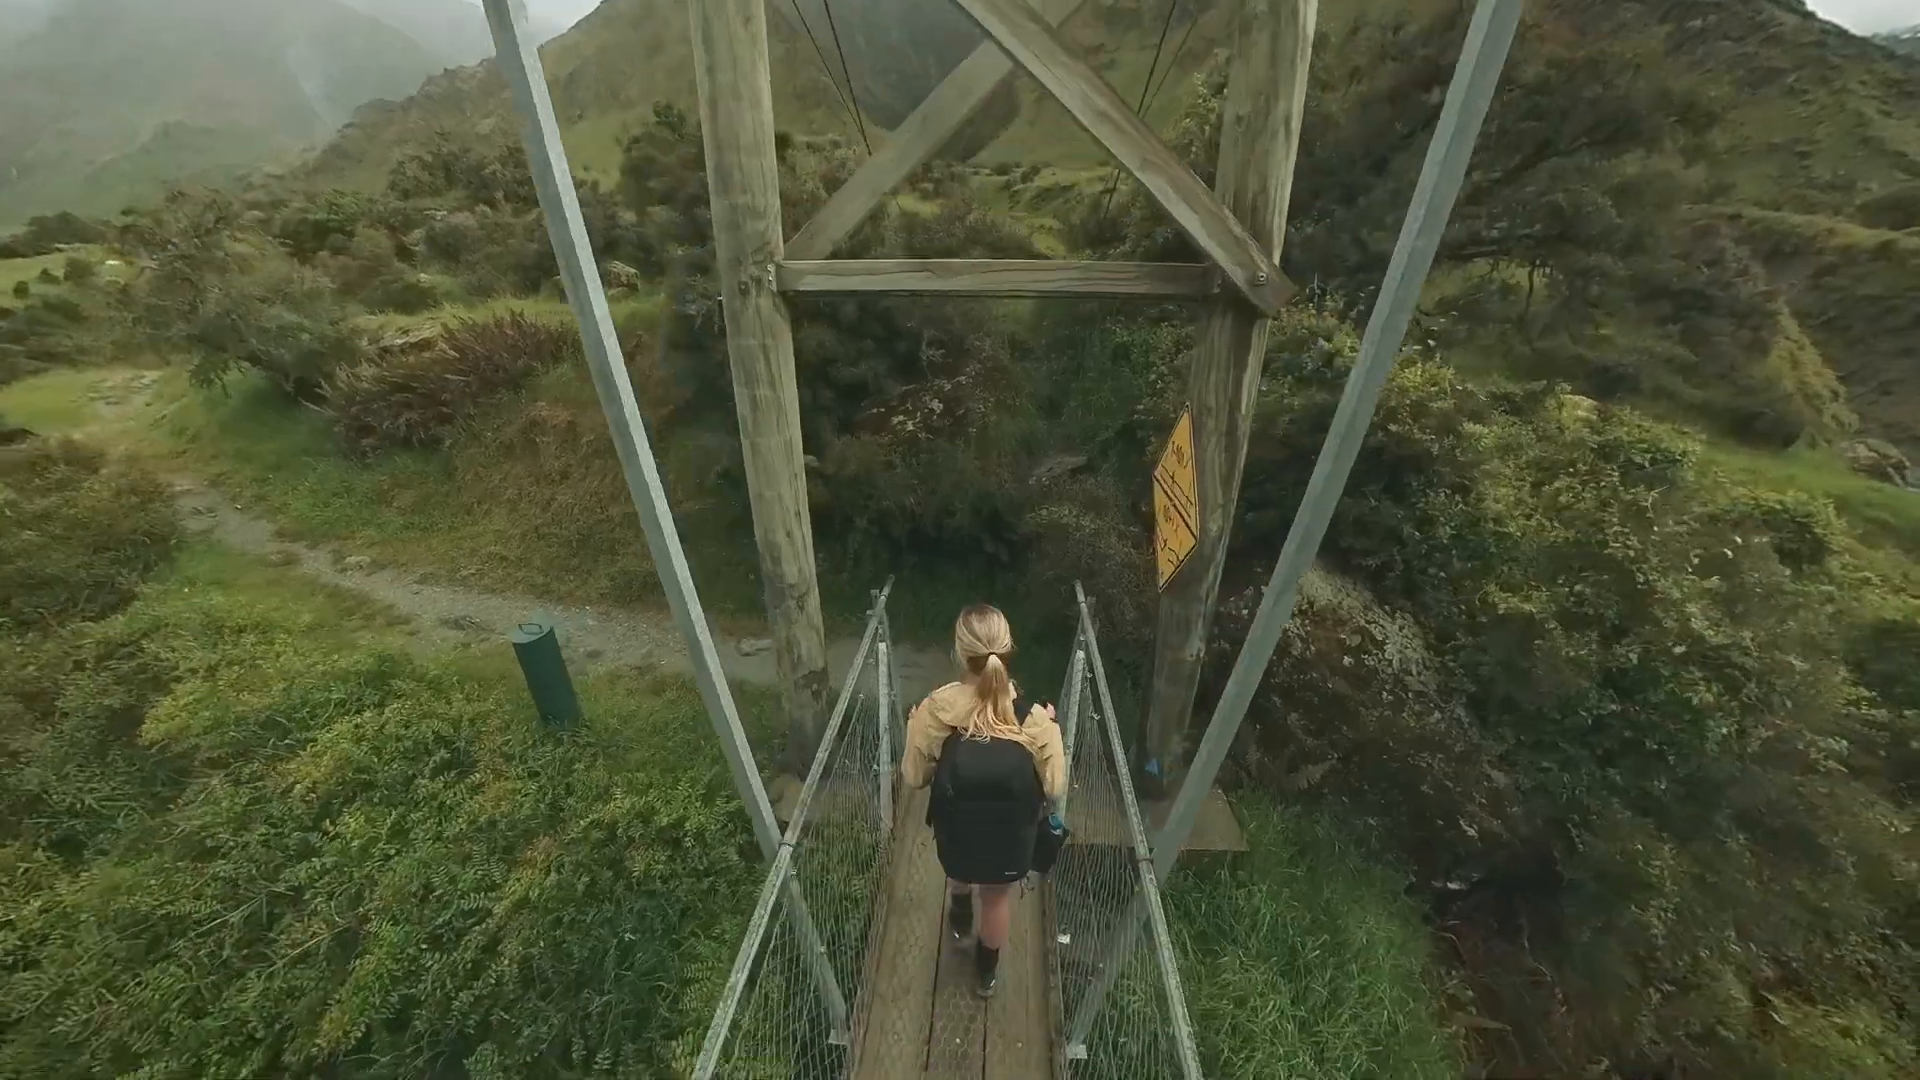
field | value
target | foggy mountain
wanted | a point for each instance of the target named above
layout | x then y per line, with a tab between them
1906	41
454	29
18	18
109	99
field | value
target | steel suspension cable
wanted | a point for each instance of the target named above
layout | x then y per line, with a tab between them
1113	181
847	72
1172	62
825	65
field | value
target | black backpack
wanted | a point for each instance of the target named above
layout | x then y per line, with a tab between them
990	794
994	781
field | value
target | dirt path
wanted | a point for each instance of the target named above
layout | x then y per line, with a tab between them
594	637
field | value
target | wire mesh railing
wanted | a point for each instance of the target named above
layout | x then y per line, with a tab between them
1120	1008
788	1005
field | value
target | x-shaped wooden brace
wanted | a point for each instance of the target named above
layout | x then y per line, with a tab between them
1021	33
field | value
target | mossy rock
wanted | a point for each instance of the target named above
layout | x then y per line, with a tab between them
1877	459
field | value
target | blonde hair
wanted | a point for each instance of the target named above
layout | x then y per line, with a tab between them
982	641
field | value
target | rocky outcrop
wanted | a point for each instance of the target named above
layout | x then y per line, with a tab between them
1879	460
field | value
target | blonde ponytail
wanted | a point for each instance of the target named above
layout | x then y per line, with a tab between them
994	711
982	641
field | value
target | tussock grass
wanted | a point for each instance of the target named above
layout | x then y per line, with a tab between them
1884	516
384	862
1302	959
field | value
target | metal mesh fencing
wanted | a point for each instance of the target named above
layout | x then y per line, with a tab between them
797	981
1121	1010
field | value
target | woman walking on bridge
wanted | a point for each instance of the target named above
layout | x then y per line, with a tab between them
994	760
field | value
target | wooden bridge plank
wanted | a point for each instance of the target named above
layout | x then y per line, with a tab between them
1019	1033
891	1040
956	1049
920	1016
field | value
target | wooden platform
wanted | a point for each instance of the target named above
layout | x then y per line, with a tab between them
1097	820
920	1016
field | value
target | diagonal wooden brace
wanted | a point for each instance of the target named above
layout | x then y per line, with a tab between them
1034	45
955	101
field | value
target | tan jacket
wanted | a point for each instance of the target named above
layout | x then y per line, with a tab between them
946	710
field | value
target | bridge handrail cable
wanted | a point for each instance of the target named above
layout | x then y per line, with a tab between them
846	802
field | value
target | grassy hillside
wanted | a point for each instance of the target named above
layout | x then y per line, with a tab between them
1612	683
1812	102
606	73
1857	293
1785	113
111	98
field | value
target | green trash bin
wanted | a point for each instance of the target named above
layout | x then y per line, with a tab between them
536	644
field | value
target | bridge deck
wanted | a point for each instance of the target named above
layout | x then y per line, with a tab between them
920	1017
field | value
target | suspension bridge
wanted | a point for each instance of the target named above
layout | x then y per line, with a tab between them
846	970
843	971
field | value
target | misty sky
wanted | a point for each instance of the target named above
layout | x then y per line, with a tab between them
1865	16
571	11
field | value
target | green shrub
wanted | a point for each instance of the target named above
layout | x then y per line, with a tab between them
307	228
1885	654
402	292
495	175
490	252
425	388
223	293
366	266
82	534
1894	209
22	289
284	322
46	276
51	328
46	233
359	865
1631	733
74	775
79	270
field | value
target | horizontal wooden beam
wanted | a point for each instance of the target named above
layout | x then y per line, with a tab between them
955	101
999	277
1033	43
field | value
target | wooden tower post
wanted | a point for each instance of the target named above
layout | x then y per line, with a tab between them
736	119
1259	144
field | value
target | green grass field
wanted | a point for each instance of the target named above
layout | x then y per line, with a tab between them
14	271
1883	516
1301	959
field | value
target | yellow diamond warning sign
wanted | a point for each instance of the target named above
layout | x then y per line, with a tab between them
1176	503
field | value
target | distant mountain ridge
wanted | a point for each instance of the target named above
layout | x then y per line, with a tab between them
454	29
1906	41
106	100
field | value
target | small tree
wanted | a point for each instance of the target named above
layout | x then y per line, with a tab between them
22	290
80	270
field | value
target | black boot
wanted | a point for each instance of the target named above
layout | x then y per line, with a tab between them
986	963
960	914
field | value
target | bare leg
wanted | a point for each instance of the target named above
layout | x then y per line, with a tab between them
995	915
